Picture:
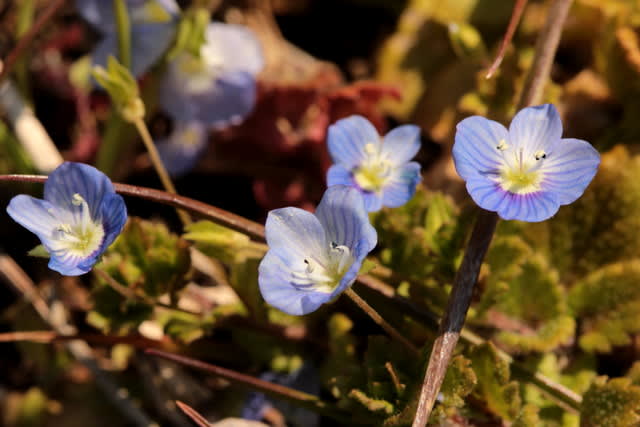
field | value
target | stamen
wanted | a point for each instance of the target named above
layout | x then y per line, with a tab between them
540	154
502	145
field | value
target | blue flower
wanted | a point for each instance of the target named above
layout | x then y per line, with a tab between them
153	28
313	258
181	150
526	172
219	87
378	167
80	216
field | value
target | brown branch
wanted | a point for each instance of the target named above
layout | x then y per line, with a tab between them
460	298
518	8
193	414
29	36
299	398
218	215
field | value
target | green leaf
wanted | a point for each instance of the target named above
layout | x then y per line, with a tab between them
613	403
459	382
122	88
608	302
528	417
494	385
39	252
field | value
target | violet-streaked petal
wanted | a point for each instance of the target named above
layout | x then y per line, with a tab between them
68	266
339	175
532	207
401	186
372	201
274	280
347	139
297	233
535	129
33	214
401	144
569	169
70	178
114	217
475	149
345	220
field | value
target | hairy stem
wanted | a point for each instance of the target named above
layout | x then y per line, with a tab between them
460	298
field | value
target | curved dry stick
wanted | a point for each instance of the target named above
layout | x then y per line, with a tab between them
460	298
518	8
221	216
193	414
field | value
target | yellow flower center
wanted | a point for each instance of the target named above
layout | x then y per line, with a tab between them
374	171
81	238
522	174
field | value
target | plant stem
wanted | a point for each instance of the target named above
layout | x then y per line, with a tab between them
123	29
460	298
159	166
193	414
372	284
299	398
375	316
518	8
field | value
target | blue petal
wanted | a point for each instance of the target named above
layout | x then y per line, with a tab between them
401	144
70	178
339	175
181	150
536	128
347	138
345	220
33	214
149	42
297	234
532	207
114	216
274	281
569	169
238	47
98	13
402	185
228	100
474	150
372	201
69	266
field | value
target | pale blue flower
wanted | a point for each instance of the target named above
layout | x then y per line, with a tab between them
378	167
80	216
314	258
182	148
219	87
526	172
153	28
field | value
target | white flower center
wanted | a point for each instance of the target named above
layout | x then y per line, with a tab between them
374	171
80	238
199	72
324	277
520	172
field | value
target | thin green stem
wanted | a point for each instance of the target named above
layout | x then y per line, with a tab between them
299	398
123	29
158	165
376	317
26	13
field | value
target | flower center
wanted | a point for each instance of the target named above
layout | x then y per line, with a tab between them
374	171
521	172
321	277
83	237
151	12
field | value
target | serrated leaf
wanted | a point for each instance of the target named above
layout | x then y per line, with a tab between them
459	381
608	302
613	403
494	385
